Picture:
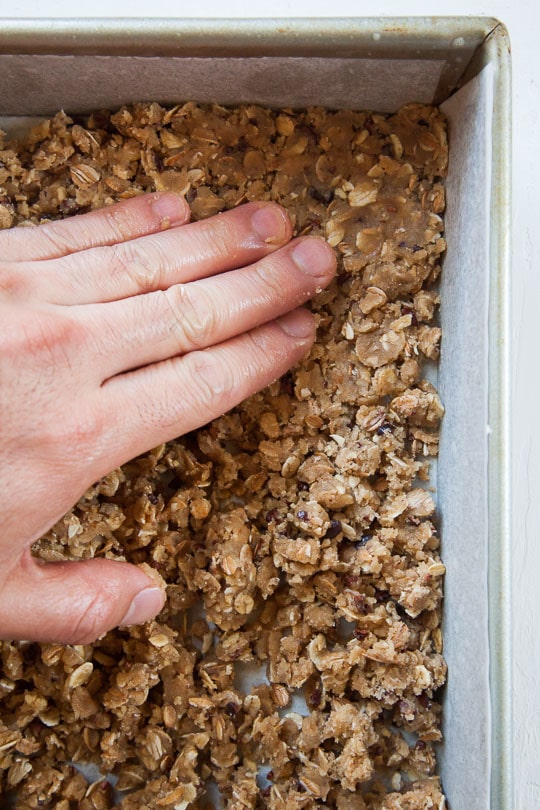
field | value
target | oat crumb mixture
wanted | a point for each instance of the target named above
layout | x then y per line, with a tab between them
298	659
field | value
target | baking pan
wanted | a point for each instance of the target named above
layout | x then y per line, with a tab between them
365	63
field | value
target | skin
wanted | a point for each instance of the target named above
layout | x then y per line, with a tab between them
119	330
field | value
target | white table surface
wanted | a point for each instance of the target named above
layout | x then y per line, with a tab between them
522	17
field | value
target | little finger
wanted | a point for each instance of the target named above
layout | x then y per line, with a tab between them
129	219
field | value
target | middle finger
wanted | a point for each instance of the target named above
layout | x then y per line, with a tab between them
149	328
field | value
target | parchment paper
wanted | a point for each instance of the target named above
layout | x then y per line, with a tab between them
49	83
462	480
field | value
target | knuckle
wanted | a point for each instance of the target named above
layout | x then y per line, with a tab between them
135	264
269	274
53	244
117	220
84	431
210	382
217	236
44	335
261	355
194	319
138	216
76	432
12	282
58	331
92	620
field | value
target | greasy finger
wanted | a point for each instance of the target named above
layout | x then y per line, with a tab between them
129	219
171	398
148	328
155	262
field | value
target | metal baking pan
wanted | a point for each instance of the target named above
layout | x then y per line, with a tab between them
365	63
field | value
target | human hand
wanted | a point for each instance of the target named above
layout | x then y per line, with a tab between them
119	330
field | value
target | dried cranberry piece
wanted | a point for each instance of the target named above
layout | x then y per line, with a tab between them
286	385
314	698
334	529
424	701
361	604
363	540
231	709
385	428
405	310
324	197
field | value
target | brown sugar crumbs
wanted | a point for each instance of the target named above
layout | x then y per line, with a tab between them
297	661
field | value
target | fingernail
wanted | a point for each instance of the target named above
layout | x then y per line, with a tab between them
270	224
170	209
145	605
298	324
313	256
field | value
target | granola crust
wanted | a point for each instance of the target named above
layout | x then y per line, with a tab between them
296	533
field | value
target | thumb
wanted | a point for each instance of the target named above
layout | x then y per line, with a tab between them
76	602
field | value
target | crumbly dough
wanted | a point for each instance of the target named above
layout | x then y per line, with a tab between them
296	533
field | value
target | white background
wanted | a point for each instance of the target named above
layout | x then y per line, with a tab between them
522	17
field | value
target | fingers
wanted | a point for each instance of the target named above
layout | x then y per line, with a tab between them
75	602
146	329
157	261
146	214
168	399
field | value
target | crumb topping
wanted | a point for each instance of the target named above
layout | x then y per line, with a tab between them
298	659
